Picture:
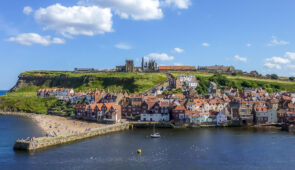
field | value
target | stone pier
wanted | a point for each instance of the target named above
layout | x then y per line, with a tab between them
44	142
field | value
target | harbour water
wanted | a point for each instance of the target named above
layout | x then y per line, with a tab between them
227	148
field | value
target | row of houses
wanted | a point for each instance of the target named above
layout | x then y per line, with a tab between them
55	92
106	112
89	97
257	108
231	107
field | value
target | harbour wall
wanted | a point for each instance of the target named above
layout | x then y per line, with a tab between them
21	114
151	125
45	142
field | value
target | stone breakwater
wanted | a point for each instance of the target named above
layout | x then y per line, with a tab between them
44	142
28	115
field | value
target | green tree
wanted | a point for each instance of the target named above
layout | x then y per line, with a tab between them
234	74
291	78
202	88
274	76
165	92
269	90
239	72
221	80
179	90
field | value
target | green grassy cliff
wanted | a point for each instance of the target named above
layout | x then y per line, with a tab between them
114	81
23	96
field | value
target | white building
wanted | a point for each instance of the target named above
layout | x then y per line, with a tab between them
188	81
158	111
156	117
204	117
221	118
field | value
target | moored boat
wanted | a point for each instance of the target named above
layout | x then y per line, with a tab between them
155	134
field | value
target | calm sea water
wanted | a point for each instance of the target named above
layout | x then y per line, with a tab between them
2	92
177	149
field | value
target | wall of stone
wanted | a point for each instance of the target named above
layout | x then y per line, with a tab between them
151	125
44	142
28	115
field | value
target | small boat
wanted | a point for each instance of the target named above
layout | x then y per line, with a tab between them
154	134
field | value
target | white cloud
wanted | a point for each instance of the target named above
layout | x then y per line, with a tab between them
123	46
57	41
272	66
181	4
75	20
278	60
276	42
33	38
178	64
27	10
290	55
281	65
205	44
248	45
135	9
178	50
160	56
239	58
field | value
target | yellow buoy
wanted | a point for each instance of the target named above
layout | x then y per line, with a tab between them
139	151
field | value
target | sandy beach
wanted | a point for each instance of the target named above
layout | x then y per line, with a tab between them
62	126
52	125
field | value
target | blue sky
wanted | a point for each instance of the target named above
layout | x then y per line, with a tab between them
62	34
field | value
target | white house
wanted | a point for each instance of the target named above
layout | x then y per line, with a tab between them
64	92
221	118
157	117
188	81
204	117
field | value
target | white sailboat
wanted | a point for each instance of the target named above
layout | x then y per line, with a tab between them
155	134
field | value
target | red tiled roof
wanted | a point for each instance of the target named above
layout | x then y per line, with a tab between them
287	98
195	114
150	104
177	68
198	102
178	95
181	107
291	105
261	109
164	104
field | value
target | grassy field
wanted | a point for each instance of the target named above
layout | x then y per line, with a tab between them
240	80
25	98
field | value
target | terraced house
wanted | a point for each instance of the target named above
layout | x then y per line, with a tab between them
155	111
108	112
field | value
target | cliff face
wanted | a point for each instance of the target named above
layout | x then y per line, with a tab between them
131	82
59	81
81	83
